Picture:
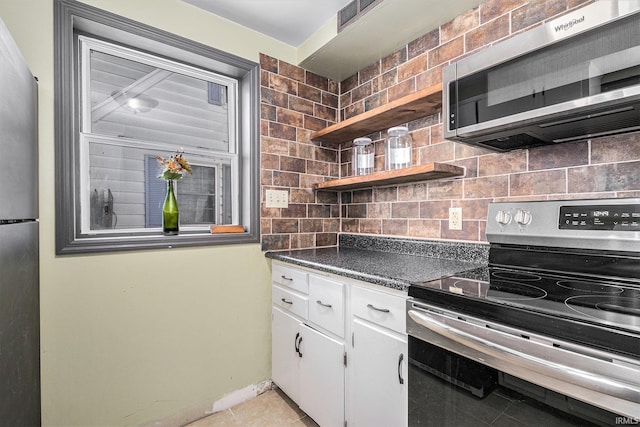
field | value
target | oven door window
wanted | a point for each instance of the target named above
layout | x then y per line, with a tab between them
447	390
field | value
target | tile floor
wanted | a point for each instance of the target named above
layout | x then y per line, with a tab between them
271	409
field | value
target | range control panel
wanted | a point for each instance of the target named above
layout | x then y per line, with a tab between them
600	217
594	224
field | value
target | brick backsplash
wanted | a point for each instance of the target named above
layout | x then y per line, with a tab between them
296	102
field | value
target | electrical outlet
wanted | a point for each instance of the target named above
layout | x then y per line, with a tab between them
277	198
455	218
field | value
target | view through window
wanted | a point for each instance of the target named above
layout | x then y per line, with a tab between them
137	106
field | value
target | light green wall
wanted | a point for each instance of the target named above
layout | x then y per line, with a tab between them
134	337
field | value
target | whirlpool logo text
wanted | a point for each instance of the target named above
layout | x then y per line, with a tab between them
568	25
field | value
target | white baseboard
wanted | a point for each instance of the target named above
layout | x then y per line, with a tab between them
236	397
195	412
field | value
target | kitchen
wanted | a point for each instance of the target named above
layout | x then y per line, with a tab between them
123	341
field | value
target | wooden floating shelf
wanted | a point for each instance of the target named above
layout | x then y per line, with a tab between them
413	106
399	176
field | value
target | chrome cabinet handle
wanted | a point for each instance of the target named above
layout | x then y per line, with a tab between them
323	304
285	301
400	359
286	278
383	310
296	344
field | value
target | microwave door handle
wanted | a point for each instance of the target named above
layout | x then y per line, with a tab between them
540	361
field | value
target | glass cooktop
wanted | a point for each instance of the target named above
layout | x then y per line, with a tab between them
600	312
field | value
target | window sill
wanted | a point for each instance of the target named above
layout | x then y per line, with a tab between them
90	244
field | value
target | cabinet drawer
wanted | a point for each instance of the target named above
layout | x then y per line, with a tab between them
326	304
380	308
290	277
290	301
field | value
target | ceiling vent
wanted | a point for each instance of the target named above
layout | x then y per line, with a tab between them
353	11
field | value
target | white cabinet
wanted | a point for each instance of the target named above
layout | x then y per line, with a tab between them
322	378
307	342
285	333
321	322
378	360
378	372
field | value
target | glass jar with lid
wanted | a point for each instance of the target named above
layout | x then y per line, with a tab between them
363	154
398	148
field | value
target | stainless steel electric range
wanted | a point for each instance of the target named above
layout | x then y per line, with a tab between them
547	334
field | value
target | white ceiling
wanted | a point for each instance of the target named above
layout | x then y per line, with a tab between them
383	29
290	21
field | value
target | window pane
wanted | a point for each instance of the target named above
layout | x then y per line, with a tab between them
136	100
126	193
117	186
226	200
196	196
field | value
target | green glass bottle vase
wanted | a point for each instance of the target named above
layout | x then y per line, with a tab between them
170	212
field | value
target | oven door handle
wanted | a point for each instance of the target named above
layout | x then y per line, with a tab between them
543	359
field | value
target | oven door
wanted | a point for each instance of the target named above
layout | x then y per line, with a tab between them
467	371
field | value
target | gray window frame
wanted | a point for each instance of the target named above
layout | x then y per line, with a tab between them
72	17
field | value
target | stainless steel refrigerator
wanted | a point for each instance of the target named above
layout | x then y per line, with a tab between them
19	260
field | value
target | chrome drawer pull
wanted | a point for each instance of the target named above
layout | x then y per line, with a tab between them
285	301
323	304
383	310
286	278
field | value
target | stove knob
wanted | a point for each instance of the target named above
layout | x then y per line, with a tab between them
503	217
522	217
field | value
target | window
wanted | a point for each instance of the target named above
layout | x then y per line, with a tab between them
126	93
135	106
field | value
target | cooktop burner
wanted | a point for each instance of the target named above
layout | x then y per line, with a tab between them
515	292
519	276
619	306
590	287
502	291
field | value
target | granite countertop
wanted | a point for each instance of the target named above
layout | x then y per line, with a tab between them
390	262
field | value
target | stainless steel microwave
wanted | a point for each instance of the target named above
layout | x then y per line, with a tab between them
572	78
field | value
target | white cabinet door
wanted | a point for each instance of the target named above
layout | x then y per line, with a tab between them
378	378
322	378
285	360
